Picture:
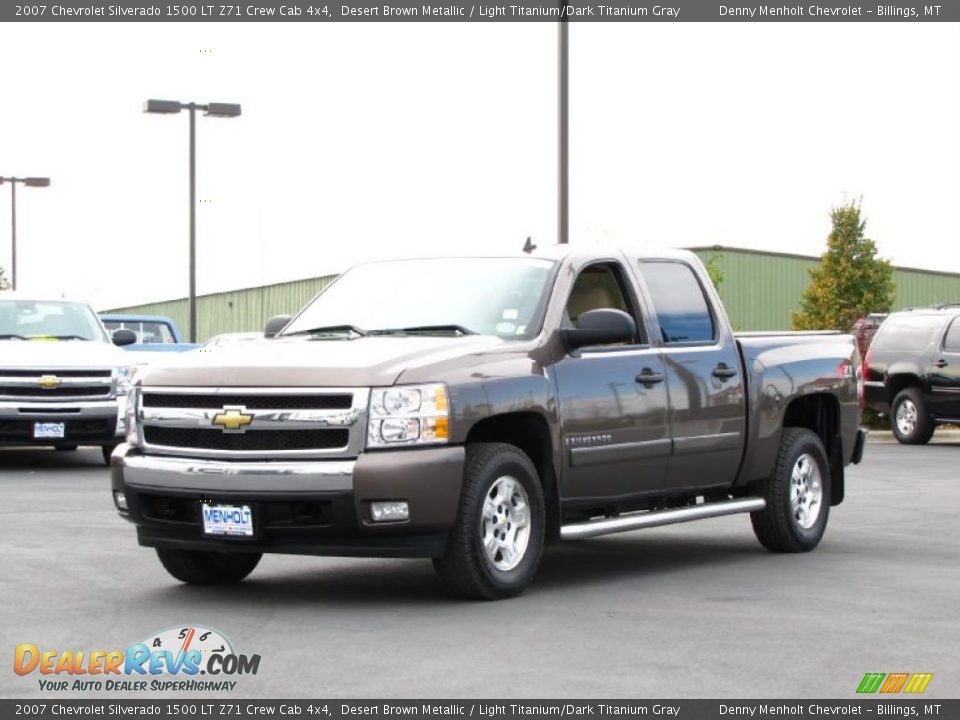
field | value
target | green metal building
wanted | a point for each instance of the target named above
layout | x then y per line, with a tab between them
760	291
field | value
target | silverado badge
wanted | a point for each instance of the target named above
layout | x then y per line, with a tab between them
233	419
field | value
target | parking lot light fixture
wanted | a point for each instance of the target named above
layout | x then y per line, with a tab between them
28	182
172	107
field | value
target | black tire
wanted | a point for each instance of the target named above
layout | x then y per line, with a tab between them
107	451
466	568
65	448
779	527
922	425
199	567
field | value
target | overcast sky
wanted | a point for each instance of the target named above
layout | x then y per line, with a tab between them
361	140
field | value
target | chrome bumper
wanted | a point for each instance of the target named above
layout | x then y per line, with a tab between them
175	473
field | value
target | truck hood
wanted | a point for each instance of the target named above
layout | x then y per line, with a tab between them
60	354
311	362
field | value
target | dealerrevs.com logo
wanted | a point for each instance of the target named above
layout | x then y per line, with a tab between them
170	660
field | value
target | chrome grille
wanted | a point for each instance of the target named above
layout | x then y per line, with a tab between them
252	423
58	385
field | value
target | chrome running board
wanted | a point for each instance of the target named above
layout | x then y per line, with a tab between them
656	518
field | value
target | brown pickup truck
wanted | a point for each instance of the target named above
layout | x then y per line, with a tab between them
471	410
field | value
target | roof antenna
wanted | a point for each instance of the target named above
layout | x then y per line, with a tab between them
528	246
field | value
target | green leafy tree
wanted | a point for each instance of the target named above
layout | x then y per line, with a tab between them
714	271
850	280
3	281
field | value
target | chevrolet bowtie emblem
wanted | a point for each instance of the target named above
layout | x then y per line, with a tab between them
48	382
233	419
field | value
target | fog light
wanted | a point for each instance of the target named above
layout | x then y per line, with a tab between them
393	511
120	500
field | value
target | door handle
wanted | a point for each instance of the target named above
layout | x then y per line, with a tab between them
941	363
649	377
722	372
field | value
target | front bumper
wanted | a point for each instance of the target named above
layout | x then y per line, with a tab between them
92	422
318	507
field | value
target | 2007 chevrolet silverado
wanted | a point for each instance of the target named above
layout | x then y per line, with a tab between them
471	410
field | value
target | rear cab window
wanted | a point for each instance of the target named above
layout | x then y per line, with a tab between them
679	300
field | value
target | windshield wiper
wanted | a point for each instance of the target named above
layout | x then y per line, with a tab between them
458	330
329	330
12	337
62	337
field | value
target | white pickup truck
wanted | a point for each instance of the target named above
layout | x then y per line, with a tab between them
63	383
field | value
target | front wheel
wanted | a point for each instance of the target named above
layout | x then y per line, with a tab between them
797	494
200	567
494	549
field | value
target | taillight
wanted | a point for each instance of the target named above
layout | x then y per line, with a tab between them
862	377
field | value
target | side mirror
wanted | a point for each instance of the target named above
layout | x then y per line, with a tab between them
123	336
275	325
600	327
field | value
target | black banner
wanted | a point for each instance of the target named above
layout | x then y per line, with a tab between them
483	709
511	11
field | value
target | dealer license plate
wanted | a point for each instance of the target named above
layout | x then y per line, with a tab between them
233	520
49	430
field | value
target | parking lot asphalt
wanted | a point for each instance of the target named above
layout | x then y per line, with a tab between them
695	610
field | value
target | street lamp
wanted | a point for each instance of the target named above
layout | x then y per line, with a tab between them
29	182
170	107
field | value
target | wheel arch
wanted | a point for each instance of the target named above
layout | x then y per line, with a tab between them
820	413
529	431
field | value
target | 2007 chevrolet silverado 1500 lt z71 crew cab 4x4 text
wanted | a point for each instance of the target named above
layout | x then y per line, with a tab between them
471	409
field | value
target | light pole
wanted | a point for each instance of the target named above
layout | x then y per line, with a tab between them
563	132
29	182
170	107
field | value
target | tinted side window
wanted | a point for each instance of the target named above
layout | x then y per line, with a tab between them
679	301
910	332
952	341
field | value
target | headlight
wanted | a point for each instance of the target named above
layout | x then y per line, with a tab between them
130	415
408	415
124	377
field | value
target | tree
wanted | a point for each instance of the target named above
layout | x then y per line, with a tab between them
850	280
714	271
3	281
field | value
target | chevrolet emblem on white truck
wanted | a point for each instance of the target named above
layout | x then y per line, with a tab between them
233	419
48	382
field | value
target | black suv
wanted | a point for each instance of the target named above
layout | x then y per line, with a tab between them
912	371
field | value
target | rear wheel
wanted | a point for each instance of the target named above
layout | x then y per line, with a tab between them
909	418
199	567
494	549
797	494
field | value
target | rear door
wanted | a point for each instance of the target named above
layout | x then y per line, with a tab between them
704	379
945	375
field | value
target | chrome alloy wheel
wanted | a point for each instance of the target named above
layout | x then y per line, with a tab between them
505	523
906	417
806	491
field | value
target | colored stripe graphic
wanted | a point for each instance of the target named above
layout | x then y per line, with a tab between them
918	682
894	682
871	682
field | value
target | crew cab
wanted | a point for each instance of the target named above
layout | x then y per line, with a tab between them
63	383
912	371
470	410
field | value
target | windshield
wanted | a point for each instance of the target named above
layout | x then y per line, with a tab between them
451	296
43	319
